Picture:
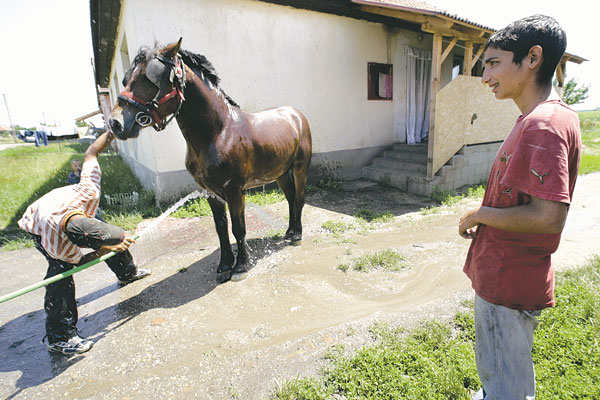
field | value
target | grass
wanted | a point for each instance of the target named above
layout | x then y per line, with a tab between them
200	207
448	198
590	137
336	227
388	260
373	217
437	360
6	137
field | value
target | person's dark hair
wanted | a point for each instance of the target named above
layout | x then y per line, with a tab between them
520	36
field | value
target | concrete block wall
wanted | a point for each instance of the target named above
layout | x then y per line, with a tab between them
470	166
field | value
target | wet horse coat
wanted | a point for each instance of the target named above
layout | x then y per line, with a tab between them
228	150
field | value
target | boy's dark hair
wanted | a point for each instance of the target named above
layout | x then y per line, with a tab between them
520	36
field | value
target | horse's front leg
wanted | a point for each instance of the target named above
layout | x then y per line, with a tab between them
237	202
225	268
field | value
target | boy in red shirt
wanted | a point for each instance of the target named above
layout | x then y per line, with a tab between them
519	223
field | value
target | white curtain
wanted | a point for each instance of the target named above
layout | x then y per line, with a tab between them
418	82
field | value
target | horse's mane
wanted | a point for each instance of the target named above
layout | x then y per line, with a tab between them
197	62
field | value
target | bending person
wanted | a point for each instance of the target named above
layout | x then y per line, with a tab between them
61	223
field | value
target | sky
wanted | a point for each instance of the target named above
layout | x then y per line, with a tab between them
46	74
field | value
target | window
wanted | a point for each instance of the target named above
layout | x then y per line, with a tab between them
379	81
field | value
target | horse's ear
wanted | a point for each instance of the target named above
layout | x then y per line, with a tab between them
171	50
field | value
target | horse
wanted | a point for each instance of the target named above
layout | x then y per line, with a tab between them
228	150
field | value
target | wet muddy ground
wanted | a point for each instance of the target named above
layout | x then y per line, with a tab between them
178	335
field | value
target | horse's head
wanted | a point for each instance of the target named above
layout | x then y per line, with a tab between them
153	91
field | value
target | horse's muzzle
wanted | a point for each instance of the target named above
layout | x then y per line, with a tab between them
116	127
123	126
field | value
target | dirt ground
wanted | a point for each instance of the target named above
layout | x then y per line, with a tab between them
179	335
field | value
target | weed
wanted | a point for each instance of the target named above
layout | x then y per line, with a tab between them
197	207
389	260
264	198
15	241
335	352
336	227
343	267
370	216
328	184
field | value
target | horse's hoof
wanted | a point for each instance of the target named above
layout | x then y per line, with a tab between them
296	239
239	277
224	276
240	269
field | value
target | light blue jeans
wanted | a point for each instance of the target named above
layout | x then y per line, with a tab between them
503	342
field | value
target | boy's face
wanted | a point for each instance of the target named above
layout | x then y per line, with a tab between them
506	78
76	165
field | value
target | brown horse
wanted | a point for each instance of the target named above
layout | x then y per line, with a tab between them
228	150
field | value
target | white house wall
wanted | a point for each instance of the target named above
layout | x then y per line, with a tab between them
270	55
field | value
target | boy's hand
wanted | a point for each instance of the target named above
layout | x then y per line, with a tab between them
124	245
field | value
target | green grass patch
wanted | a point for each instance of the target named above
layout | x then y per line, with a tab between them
265	198
448	198
336	227
590	138
437	360
373	217
16	240
198	207
388	260
566	349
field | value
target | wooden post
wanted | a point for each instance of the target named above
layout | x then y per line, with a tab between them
467	66
436	72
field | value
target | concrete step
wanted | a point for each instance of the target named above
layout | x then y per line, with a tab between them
412	148
401	164
387	176
415	156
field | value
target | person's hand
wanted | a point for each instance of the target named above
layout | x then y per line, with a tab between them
467	226
124	245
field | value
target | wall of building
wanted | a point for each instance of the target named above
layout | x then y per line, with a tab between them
269	55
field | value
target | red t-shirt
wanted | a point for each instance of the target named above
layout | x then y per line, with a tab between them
540	158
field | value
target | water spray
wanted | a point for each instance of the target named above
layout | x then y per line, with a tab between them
105	257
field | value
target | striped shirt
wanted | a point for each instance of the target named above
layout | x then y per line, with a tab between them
45	217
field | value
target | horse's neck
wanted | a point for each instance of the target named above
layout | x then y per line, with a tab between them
202	114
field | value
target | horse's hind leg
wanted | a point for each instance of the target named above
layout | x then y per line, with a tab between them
225	268
286	184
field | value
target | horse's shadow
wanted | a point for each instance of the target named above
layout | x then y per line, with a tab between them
20	339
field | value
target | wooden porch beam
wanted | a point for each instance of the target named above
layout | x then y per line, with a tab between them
429	28
436	72
560	74
477	55
448	49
